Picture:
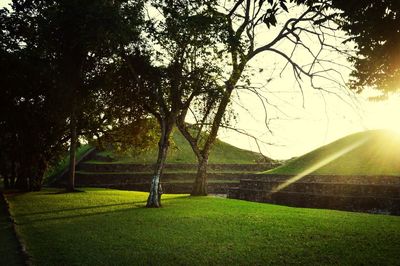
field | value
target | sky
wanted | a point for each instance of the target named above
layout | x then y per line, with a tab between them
319	122
297	126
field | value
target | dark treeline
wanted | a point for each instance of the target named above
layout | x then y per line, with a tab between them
59	65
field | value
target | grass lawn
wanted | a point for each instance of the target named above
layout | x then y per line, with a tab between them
111	227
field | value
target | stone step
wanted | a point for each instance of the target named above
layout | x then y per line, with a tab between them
173	188
383	180
374	204
116	167
129	178
325	188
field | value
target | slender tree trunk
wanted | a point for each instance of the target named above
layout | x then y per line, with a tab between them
13	175
154	199
200	183
212	136
6	181
72	154
202	153
5	171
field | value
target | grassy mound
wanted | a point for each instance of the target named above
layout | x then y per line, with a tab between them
110	227
375	152
181	152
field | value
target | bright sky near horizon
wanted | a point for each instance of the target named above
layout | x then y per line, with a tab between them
296	129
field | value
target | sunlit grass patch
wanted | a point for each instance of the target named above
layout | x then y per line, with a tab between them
378	153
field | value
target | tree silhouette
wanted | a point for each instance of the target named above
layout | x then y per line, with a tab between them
77	41
293	22
375	28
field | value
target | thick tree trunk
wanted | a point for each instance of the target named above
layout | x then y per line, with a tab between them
200	183
154	199
72	154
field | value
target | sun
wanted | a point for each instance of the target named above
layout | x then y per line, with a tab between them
383	114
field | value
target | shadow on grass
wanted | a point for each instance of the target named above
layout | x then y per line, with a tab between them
86	215
137	205
67	217
78	208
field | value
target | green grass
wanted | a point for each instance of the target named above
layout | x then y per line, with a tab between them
56	169
378	153
9	254
111	227
181	152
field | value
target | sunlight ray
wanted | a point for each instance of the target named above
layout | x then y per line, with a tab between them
320	164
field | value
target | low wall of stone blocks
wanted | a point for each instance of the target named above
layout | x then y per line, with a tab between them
132	167
377	194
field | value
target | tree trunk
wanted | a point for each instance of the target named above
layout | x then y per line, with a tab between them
200	183
36	180
13	176
6	182
22	180
154	199
72	154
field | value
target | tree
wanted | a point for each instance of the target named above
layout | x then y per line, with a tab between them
31	119
290	22
177	68
78	41
374	26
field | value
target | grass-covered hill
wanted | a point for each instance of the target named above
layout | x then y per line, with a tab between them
181	152
375	152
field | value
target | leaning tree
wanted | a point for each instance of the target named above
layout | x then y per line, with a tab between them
299	32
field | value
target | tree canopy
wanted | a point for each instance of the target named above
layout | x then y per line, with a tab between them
56	62
374	26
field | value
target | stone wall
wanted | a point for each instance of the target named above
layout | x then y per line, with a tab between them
379	194
114	167
177	178
172	182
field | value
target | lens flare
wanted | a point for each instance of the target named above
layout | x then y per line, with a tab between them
320	164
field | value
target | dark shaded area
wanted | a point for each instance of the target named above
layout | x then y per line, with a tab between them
10	253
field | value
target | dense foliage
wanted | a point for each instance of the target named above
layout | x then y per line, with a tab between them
56	62
375	28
